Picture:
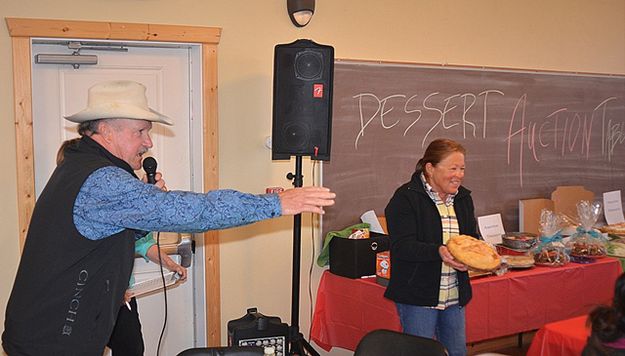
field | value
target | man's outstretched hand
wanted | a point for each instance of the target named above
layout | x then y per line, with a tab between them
306	199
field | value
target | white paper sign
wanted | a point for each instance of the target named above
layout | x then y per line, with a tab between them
370	218
612	207
491	228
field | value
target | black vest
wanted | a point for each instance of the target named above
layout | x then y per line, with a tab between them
68	289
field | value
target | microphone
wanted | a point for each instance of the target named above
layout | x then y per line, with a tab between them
149	166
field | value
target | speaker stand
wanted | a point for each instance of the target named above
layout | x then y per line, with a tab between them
298	344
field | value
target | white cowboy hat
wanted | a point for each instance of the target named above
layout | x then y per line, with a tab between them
119	99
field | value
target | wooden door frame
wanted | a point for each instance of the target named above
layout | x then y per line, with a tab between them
22	30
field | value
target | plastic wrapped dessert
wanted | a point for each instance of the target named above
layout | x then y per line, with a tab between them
474	253
551	256
587	242
550	250
590	249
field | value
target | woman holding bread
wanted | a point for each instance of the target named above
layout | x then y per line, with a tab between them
429	287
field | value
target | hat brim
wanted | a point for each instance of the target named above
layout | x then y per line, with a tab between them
118	111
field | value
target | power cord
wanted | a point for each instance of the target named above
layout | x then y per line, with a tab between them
160	263
312	261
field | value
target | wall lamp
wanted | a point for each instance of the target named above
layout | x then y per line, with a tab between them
300	11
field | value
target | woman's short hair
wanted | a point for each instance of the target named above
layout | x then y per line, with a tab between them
60	154
437	151
607	322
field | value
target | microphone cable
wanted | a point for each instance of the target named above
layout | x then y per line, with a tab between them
313	249
149	166
160	263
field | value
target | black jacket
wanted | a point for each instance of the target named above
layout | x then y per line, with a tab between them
68	289
416	232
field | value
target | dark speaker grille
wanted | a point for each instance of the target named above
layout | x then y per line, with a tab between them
308	65
302	100
296	135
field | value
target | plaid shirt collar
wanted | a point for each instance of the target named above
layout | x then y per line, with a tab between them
434	195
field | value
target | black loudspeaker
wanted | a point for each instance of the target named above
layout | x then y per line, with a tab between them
303	74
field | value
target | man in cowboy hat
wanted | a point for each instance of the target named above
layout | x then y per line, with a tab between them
79	251
126	338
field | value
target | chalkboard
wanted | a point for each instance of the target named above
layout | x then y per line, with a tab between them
525	133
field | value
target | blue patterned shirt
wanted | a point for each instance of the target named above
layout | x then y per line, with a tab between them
112	200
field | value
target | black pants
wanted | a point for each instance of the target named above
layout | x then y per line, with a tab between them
126	339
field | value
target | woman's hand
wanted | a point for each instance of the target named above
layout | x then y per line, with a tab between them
127	296
449	260
174	267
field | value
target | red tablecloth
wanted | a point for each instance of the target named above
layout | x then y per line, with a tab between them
562	338
522	300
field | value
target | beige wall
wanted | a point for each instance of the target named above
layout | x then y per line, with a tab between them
565	35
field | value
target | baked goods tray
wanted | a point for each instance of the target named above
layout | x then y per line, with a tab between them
520	266
477	274
613	236
522	250
519	262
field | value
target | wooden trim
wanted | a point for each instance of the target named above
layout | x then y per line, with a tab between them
22	30
211	180
22	106
19	27
478	68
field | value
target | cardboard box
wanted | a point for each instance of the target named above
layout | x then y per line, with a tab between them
563	200
529	214
355	258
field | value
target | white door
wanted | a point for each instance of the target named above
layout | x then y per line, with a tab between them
171	76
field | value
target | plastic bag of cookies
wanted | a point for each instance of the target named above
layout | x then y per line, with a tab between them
587	242
550	250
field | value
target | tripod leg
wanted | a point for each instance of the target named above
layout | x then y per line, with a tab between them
301	347
308	347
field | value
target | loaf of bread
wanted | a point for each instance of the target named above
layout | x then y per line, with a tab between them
474	253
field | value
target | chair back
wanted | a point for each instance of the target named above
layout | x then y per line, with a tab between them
387	342
224	351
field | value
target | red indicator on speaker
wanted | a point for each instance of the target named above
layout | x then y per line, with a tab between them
318	90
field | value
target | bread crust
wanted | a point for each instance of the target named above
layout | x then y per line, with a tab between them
615	229
474	253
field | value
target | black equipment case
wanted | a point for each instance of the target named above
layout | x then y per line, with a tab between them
354	258
256	329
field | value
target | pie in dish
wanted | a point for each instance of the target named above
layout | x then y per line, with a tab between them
616	229
519	261
474	253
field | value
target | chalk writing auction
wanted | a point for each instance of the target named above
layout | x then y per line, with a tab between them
563	130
